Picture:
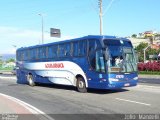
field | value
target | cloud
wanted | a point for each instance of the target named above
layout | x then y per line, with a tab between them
12	38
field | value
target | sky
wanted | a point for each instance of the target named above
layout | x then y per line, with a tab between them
20	24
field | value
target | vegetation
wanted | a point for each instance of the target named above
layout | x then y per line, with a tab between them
4	66
152	67
149	72
134	36
10	60
140	51
149	66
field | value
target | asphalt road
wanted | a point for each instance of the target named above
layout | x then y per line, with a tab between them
65	103
155	81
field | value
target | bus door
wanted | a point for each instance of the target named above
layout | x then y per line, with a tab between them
96	73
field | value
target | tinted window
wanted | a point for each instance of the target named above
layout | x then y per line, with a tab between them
55	51
42	52
19	55
92	57
95	57
94	44
26	55
61	50
75	49
37	53
111	42
98	44
68	49
82	48
118	42
31	54
128	43
50	52
91	45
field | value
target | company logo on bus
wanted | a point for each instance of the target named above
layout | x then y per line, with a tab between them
54	65
119	76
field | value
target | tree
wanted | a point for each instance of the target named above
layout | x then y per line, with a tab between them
134	36
150	51
140	51
10	60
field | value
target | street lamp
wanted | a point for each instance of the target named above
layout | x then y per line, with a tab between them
42	28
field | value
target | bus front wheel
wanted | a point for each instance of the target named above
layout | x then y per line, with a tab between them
81	86
30	80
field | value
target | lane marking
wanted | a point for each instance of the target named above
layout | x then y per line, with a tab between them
133	101
29	107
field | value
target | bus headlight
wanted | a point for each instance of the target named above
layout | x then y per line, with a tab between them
135	78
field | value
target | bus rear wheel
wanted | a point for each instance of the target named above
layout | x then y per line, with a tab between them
81	86
30	80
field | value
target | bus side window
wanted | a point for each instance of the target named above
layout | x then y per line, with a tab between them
54	51
98	45
50	52
47	52
31	54
37	53
19	55
44	52
75	49
82	48
68	50
61	50
34	53
25	55
91	52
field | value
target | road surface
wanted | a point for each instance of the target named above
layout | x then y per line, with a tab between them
62	102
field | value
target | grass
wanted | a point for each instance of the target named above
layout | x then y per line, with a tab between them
6	69
149	72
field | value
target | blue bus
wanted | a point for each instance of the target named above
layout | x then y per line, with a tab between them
100	62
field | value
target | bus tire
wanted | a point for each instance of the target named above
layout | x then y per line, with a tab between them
30	80
81	85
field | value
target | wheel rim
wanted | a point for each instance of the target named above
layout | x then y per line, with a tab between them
30	80
81	84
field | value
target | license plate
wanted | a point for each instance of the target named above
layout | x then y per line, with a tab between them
127	84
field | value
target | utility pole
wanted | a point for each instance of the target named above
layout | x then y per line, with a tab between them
100	16
42	27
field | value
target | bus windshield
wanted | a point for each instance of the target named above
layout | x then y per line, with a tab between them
121	56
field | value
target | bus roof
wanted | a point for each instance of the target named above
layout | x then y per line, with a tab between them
70	40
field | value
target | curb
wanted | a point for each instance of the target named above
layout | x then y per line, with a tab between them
150	76
27	107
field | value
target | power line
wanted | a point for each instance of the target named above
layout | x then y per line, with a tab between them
101	13
108	7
